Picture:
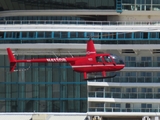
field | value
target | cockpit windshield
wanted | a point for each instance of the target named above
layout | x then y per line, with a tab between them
117	59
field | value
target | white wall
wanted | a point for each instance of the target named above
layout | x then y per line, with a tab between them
50	116
15	117
67	117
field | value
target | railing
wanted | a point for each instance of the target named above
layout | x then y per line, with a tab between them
142	64
78	22
115	109
124	95
131	79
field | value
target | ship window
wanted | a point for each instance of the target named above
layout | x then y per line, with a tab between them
100	105
146	74
146	105
145	35
128	105
143	105
115	105
115	90
144	59
143	89
128	74
131	90
149	105
158	58
146	89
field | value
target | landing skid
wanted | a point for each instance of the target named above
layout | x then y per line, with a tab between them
101	77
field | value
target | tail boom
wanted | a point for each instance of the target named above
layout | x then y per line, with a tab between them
13	60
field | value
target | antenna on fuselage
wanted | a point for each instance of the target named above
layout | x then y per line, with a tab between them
55	55
70	54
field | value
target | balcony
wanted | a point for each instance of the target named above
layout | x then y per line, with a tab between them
88	26
138	79
142	64
69	22
115	109
124	95
80	22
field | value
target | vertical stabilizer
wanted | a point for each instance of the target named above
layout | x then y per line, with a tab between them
12	60
90	48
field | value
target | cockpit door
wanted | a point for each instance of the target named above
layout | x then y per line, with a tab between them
108	59
99	59
105	60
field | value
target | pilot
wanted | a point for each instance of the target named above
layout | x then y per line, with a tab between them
99	58
107	59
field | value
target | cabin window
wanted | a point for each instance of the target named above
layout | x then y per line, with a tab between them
99	58
107	59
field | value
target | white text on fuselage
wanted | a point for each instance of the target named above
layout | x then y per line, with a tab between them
56	60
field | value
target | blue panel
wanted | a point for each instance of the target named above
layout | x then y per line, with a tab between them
119	6
76	37
20	35
52	34
4	35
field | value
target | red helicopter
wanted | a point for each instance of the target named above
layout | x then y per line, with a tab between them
91	63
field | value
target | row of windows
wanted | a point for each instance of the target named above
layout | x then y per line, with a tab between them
49	72
96	35
51	76
131	80
43	106
124	95
120	89
110	109
121	79
42	74
143	59
142	64
141	5
74	4
42	91
141	1
124	105
57	4
138	74
75	40
41	18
